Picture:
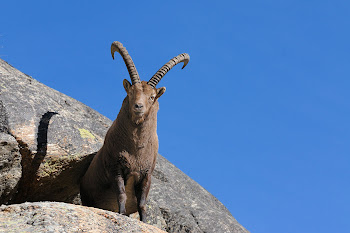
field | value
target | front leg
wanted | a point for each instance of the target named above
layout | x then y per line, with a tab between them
121	195
141	191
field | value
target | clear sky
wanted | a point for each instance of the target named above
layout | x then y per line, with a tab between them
260	117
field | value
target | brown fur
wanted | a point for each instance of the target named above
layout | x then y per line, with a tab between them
119	176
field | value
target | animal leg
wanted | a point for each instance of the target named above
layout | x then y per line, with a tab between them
121	194
141	191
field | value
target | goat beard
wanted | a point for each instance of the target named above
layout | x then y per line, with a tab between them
138	119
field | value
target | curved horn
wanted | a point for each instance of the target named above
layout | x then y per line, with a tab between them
184	57
117	46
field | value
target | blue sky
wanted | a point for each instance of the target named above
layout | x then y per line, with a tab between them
259	117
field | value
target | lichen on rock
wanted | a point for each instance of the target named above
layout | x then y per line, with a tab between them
84	133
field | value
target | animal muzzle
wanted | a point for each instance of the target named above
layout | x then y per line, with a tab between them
138	110
138	107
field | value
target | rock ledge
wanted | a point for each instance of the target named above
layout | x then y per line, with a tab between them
63	217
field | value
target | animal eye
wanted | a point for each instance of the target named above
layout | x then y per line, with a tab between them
152	98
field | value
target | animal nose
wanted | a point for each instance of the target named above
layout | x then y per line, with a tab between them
138	106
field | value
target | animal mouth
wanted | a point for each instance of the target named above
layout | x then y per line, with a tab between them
138	113
138	118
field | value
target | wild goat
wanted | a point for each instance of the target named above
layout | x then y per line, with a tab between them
119	176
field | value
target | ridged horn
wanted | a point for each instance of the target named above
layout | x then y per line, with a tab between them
117	46
184	57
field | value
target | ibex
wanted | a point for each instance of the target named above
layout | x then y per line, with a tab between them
119	176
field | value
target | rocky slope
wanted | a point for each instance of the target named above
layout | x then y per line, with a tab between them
48	139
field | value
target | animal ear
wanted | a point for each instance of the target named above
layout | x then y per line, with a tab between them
126	85
160	91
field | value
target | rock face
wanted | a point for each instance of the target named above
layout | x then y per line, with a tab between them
184	205
10	166
54	137
57	136
62	217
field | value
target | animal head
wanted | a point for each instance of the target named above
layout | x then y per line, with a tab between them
142	98
142	95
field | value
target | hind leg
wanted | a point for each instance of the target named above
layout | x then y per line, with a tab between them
85	198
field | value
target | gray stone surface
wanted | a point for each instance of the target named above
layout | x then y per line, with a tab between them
58	137
184	205
10	167
62	217
56	133
3	119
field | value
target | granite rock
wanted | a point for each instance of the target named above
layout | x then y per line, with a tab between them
63	217
58	136
10	167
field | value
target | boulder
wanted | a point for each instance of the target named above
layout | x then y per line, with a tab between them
183	205
10	167
63	217
58	136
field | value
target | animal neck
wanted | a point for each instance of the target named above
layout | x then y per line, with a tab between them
136	135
